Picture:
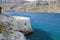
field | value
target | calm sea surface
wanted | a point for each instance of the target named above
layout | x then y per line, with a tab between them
46	26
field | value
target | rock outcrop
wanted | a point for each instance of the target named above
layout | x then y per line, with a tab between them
12	29
23	24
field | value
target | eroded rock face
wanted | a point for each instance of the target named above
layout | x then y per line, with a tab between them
13	28
23	24
10	27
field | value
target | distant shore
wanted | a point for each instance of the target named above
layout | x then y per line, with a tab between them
31	7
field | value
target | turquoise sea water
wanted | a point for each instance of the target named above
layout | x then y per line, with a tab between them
46	26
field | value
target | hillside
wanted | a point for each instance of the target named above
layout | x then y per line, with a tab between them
31	7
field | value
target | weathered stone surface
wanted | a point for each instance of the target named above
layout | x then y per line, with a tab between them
1	37
17	36
14	28
10	29
8	21
23	24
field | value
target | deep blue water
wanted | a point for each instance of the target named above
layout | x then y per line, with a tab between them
46	26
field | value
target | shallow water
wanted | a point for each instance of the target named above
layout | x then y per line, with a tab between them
46	26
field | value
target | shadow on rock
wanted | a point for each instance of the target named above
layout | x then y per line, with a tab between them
39	35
